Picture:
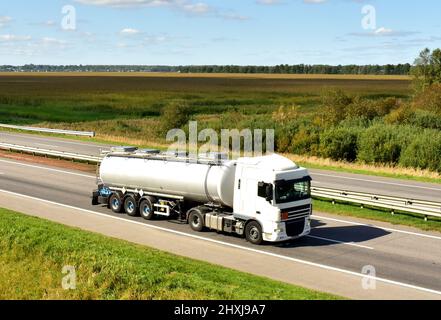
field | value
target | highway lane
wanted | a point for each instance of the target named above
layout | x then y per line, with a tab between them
321	178
408	258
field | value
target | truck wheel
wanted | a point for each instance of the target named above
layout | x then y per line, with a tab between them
253	233
130	206
146	209
115	203
196	220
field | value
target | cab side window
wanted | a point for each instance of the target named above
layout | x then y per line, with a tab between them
261	190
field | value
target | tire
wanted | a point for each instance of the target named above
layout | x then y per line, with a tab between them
253	233
116	203
146	209
196	220
131	206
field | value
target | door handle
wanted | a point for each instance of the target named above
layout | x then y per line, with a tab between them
258	212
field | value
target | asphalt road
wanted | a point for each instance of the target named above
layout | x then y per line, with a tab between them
321	178
407	256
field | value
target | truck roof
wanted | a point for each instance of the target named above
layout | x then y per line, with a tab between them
272	162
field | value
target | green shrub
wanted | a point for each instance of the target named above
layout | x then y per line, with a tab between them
306	141
424	152
402	115
361	108
339	143
371	109
429	99
380	144
174	116
426	120
335	103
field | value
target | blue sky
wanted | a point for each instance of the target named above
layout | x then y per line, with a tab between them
255	32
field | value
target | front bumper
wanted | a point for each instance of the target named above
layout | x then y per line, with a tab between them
279	233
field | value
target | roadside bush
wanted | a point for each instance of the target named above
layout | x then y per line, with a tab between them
335	103
339	143
424	152
380	144
370	109
174	116
429	99
286	114
361	108
426	119
306	141
402	115
284	136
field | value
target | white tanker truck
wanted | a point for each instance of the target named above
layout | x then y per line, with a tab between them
265	198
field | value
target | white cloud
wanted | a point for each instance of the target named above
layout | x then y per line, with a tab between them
188	6
383	31
13	38
268	2
126	3
198	8
129	32
314	1
4	20
52	41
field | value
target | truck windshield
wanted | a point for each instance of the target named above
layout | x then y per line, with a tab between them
293	190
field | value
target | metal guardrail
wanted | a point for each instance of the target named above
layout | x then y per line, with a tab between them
425	208
47	130
50	153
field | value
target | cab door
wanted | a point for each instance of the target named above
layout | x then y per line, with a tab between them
246	192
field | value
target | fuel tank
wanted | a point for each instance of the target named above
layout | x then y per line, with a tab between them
201	182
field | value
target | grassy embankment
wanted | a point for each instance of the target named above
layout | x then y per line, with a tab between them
33	252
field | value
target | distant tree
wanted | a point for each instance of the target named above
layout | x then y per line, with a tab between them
427	69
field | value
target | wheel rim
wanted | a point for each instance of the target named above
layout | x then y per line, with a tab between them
146	210
195	221
115	203
130	206
254	233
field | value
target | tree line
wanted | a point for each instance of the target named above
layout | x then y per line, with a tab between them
389	69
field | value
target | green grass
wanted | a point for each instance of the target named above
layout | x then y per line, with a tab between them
33	252
30	99
399	218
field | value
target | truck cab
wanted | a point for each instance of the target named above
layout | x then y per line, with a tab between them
275	194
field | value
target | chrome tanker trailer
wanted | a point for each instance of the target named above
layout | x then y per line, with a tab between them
265	198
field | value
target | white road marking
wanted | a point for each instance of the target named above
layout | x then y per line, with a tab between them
47	145
318	265
377	181
378	227
341	242
48	169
